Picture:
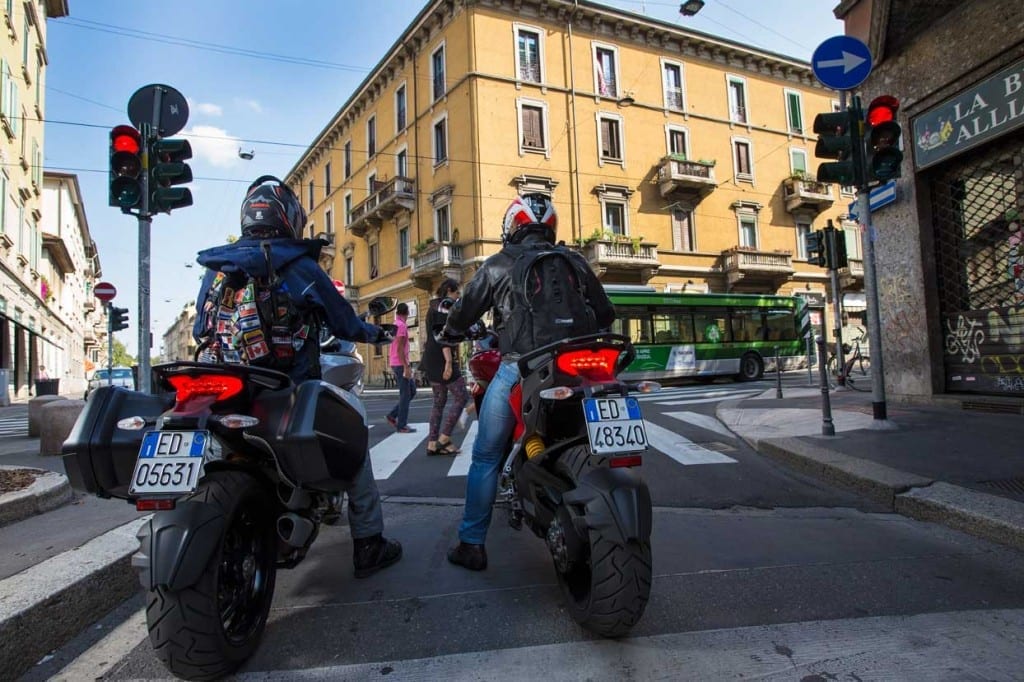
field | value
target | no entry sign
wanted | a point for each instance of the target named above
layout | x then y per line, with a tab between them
105	291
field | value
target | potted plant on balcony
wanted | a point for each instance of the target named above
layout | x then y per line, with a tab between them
422	246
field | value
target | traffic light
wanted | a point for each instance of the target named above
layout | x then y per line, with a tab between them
817	253
839	138
882	136
125	168
835	247
167	160
118	319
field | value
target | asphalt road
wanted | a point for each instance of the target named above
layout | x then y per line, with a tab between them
748	558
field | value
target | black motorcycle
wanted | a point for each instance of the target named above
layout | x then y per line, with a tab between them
241	467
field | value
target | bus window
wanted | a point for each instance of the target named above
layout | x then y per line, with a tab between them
634	323
781	325
673	328
748	325
710	326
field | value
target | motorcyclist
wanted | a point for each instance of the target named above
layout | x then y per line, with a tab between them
271	214
529	221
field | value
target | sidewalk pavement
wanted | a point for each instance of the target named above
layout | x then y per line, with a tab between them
934	462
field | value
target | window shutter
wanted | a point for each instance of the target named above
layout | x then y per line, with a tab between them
606	138
532	136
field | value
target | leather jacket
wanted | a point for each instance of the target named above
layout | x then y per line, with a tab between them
490	289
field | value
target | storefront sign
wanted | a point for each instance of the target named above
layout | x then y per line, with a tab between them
987	110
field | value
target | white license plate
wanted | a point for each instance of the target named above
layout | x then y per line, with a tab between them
169	462
614	425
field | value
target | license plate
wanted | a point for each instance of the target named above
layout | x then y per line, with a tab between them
614	425
169	462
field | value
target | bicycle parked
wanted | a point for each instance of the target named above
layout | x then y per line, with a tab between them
856	371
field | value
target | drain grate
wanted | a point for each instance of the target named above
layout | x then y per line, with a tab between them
1006	485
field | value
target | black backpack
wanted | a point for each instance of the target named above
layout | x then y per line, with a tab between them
548	299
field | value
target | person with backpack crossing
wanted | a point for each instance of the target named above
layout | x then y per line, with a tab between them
538	293
262	302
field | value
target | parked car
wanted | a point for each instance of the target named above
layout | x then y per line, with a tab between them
120	376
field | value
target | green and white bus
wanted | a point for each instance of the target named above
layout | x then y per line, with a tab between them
703	336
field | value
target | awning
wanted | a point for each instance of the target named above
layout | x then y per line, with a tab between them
854	301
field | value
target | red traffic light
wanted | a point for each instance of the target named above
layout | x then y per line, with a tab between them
125	139
882	109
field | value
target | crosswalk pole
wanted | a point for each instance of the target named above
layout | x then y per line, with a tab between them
828	428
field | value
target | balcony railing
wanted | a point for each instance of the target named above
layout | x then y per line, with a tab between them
606	255
804	194
435	260
693	177
744	263
391	196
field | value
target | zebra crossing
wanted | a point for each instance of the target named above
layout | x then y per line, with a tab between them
14	427
388	455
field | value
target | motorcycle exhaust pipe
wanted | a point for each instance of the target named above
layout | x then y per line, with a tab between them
294	530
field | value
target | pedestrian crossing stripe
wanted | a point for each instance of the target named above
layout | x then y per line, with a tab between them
14	426
387	455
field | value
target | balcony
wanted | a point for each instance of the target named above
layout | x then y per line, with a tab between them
622	261
677	175
391	197
852	274
804	194
435	260
747	267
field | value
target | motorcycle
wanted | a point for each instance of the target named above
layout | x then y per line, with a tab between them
241	467
570	471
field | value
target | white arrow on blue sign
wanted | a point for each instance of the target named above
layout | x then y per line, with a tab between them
880	196
841	62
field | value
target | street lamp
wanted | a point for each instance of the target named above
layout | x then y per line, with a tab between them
691	7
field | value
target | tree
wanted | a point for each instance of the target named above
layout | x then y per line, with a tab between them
121	357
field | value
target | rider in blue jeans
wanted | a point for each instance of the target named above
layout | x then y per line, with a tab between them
529	220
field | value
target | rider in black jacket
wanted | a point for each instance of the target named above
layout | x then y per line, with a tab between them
529	220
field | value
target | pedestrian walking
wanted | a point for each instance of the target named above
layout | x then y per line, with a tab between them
441	365
398	357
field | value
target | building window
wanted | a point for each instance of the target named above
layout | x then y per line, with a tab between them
742	161
327	180
748	231
442	223
528	54
609	134
348	208
403	247
798	162
437	73
440	141
606	75
794	112
672	77
348	159
400	121
374	261
532	126
3	201
371	137
614	217
311	195
803	228
329	221
350	270
684	237
371	182
402	163
676	140
737	100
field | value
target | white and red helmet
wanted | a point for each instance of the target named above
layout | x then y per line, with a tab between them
530	209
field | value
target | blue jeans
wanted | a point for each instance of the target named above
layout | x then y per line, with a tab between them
495	425
406	392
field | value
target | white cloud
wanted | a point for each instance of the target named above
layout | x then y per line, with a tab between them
251	104
209	109
213	145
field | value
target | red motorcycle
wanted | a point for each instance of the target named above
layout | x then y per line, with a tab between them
571	472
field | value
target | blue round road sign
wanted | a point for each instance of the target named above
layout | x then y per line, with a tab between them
841	62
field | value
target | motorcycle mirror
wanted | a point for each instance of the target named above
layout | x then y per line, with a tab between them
382	305
445	305
389	329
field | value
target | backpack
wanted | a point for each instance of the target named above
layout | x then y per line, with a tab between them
548	300
253	321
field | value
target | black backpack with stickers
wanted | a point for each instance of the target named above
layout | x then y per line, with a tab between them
549	303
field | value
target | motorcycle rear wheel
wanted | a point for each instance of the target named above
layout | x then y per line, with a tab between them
607	589
205	631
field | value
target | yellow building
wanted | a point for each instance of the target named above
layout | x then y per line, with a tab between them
675	159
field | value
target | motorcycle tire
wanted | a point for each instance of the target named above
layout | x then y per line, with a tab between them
207	630
607	590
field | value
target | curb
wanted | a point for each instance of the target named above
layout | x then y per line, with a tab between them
49	491
45	606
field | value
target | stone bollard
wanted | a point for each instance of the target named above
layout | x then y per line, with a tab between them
56	421
35	407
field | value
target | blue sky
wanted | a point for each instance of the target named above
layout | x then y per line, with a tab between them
314	58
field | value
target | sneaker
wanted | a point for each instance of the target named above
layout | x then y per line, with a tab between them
405	429
374	553
392	421
473	557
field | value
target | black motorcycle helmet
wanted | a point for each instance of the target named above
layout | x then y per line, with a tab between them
271	209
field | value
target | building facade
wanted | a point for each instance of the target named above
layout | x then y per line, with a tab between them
950	251
178	343
31	332
675	159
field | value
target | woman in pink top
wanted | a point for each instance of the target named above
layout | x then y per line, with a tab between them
398	356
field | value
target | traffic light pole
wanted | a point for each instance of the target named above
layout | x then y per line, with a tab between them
145	223
110	345
837	300
871	294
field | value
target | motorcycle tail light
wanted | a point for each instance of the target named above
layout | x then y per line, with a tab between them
557	393
647	387
131	423
625	461
596	365
163	504
237	421
221	386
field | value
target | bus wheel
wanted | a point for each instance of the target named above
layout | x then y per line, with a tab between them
751	367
